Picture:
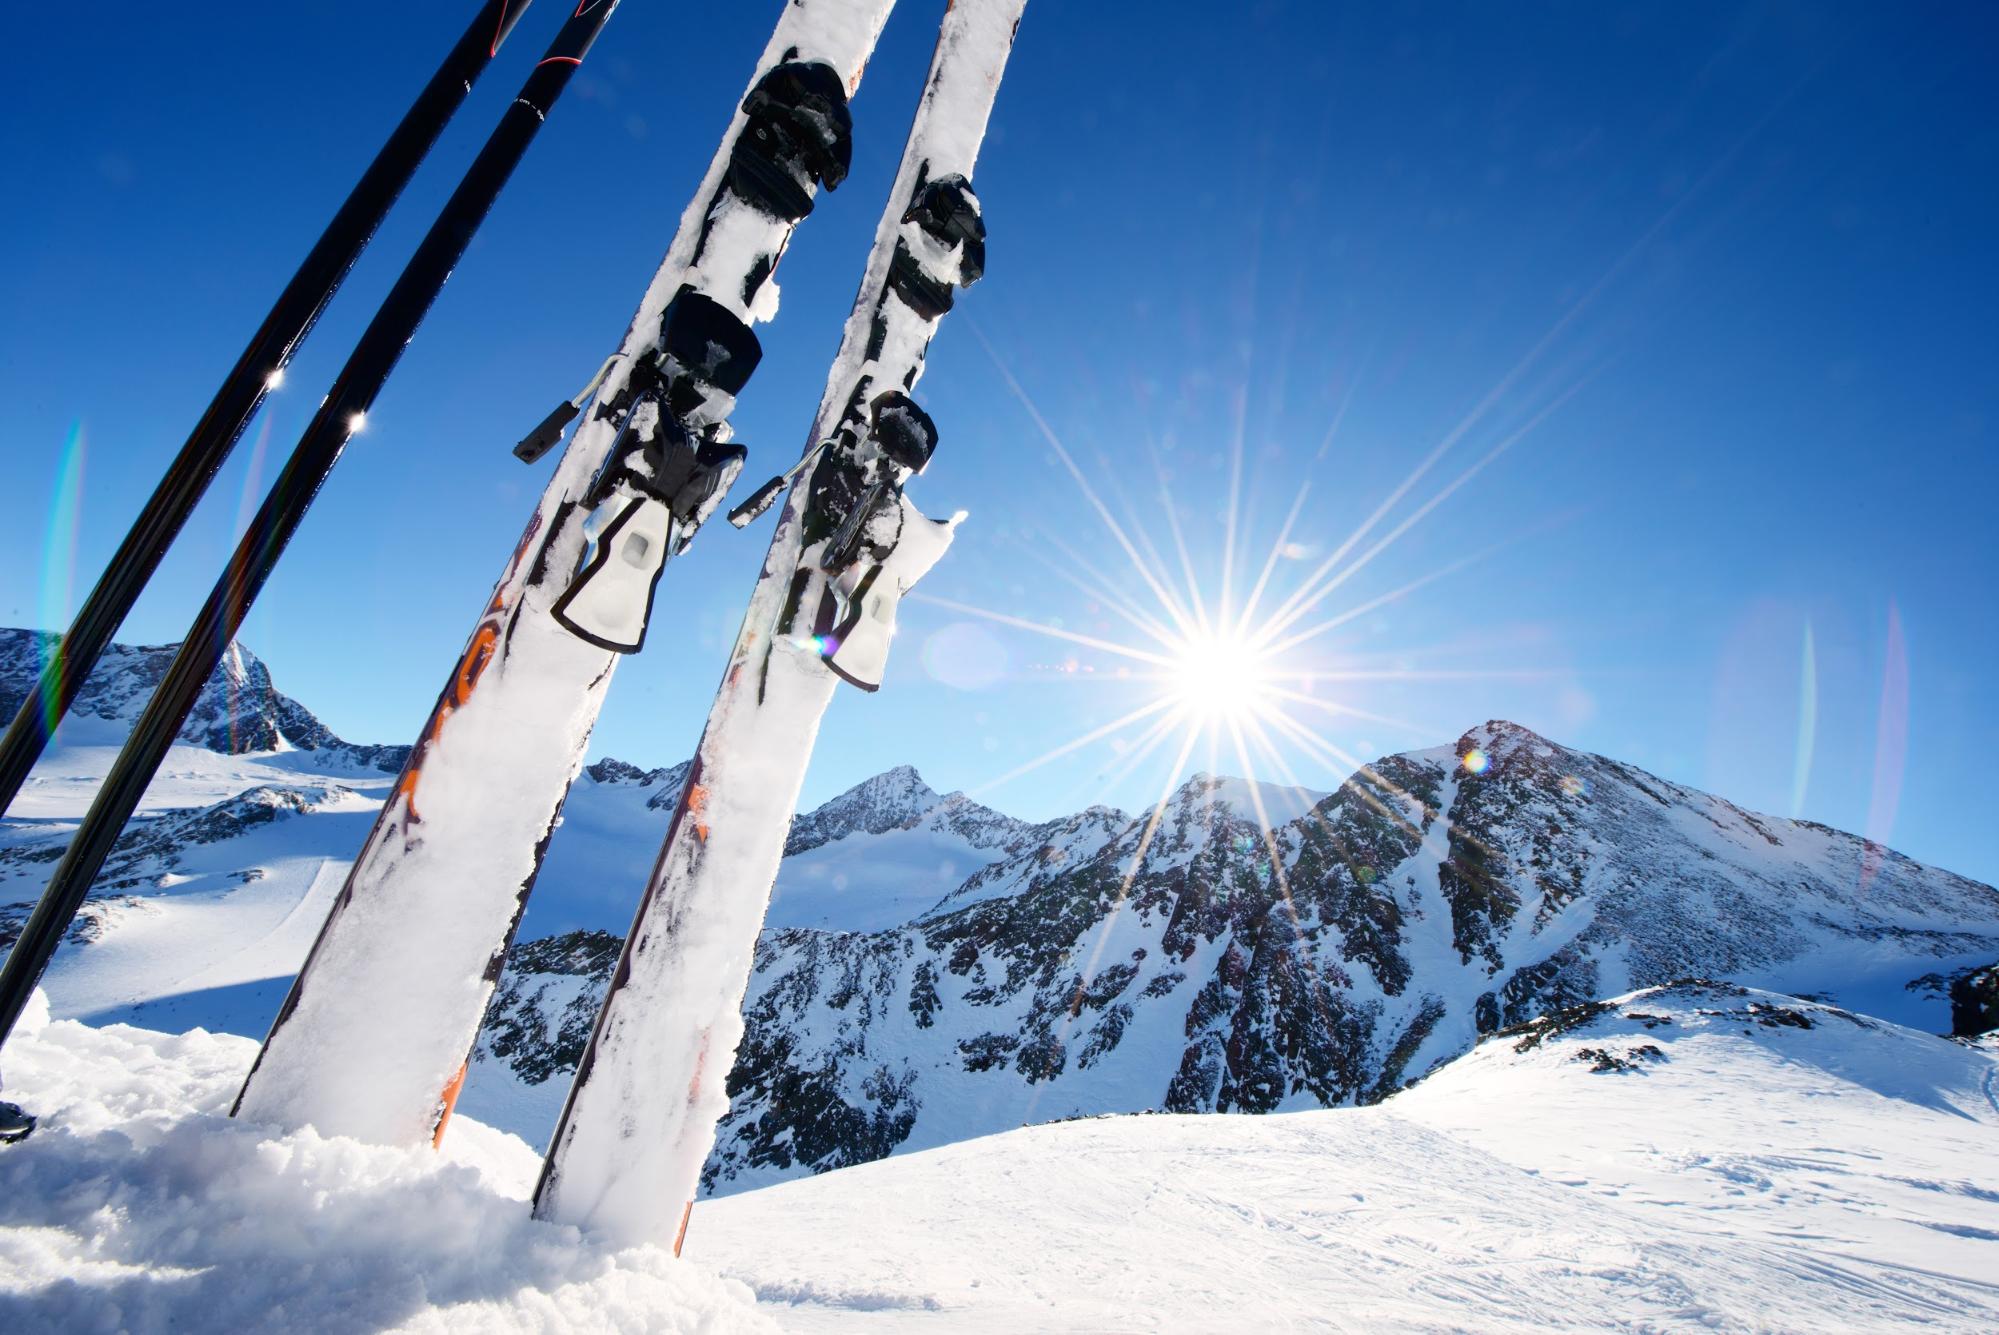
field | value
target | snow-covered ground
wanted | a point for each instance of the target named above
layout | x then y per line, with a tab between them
1683	1159
1753	1175
139	1206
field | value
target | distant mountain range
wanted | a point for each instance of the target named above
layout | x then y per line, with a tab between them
933	969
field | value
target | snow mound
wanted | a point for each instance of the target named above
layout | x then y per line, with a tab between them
1739	1113
1777	1165
140	1206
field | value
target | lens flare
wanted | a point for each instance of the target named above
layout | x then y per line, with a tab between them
1477	761
59	556
1218	677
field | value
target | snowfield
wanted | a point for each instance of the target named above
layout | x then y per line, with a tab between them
1696	1157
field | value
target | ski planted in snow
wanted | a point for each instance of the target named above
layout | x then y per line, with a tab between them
374	1037
340	414
641	1114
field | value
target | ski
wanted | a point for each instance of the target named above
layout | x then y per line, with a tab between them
422	924
640	1118
340	414
261	366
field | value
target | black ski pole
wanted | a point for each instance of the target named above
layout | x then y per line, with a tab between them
270	349
346	405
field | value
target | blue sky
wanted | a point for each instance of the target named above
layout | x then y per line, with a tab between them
1728	266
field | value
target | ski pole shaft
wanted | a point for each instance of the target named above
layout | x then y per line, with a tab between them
216	433
263	542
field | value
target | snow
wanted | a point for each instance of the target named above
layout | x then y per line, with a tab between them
866	883
1836	1178
1863	1137
139	1206
1830	1176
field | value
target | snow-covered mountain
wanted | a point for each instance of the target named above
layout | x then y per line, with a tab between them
238	712
1428	901
933	969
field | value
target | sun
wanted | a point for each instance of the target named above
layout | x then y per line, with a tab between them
1218	677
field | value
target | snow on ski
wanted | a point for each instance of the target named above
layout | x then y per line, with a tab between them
641	1114
373	1039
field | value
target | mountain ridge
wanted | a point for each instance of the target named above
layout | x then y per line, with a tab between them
934	969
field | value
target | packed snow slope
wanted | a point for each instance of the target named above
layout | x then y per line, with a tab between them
1696	1157
933	969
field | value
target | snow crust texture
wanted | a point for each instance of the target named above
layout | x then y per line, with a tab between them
139	1206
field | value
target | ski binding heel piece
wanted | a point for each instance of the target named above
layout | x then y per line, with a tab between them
799	132
707	355
942	246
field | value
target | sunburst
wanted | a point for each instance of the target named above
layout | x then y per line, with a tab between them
1241	678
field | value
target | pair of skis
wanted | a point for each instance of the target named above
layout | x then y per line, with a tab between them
641	1114
340	413
374	1037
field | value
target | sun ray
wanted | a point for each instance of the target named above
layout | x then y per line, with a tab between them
1346	402
1303	955
1351	711
1294	608
1334	757
1094	735
1138	854
1069	463
1478	557
1187	610
1270	563
1022	623
1148	742
1232	515
1103	589
1374	776
1180	546
1392	596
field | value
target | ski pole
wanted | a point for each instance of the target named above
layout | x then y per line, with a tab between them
312	459
258	370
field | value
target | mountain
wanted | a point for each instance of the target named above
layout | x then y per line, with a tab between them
933	969
238	711
1435	897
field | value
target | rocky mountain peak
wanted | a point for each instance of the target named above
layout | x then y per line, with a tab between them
622	773
238	712
1506	745
892	800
